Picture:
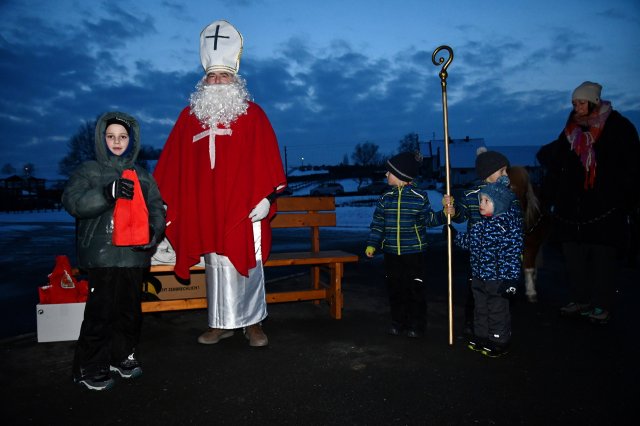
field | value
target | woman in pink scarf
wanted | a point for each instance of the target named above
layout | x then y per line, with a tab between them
592	171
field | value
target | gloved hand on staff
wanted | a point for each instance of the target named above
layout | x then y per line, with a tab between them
448	205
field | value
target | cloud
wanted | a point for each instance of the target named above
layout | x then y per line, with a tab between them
175	8
617	14
322	97
115	31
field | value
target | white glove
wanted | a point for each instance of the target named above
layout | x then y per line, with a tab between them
260	211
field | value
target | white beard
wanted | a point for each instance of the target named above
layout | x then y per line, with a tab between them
215	104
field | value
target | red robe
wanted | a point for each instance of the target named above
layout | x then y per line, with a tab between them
208	209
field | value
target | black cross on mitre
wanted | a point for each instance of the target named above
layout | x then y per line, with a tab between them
216	36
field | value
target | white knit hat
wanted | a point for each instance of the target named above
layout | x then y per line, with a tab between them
220	48
587	91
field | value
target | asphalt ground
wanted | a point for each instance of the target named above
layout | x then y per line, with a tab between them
321	371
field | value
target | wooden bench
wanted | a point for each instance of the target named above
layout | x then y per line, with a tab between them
293	212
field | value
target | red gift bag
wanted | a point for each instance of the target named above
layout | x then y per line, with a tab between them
63	286
131	217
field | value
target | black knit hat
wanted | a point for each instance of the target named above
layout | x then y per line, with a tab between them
500	193
121	121
489	162
405	166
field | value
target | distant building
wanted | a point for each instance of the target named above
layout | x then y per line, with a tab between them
17	184
462	157
524	156
27	193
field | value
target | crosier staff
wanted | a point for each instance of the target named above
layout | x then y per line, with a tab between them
443	82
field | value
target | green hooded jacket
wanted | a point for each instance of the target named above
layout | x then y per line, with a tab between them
84	199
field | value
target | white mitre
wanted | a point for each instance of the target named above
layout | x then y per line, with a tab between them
220	48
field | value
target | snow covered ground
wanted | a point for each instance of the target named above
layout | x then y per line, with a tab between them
40	216
353	212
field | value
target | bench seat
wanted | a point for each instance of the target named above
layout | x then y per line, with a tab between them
293	212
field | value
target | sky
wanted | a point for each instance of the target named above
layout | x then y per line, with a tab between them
329	74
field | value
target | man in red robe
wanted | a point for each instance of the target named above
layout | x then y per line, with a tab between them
218	174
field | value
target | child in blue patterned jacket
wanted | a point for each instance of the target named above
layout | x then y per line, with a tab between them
495	245
490	165
399	228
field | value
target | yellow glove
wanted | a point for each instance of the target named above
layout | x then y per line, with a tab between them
448	205
370	251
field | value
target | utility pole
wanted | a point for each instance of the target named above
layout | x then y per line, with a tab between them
286	165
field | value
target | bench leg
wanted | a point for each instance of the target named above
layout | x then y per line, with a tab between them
335	291
315	281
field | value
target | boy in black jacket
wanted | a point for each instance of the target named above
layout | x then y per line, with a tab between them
110	330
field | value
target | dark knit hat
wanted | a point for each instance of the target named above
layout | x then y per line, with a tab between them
119	120
489	162
405	166
500	193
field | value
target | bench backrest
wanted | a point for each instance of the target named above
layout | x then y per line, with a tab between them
306	212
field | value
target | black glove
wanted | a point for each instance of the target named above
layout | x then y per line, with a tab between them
152	242
507	288
119	188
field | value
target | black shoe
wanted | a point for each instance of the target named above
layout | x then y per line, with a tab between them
494	350
476	344
130	368
599	316
97	382
574	309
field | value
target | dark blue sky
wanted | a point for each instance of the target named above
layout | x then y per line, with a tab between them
330	74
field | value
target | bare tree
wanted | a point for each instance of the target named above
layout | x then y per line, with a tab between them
8	169
81	148
366	154
149	153
409	143
146	154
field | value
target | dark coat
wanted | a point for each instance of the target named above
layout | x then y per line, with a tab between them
400	221
84	198
595	215
495	244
